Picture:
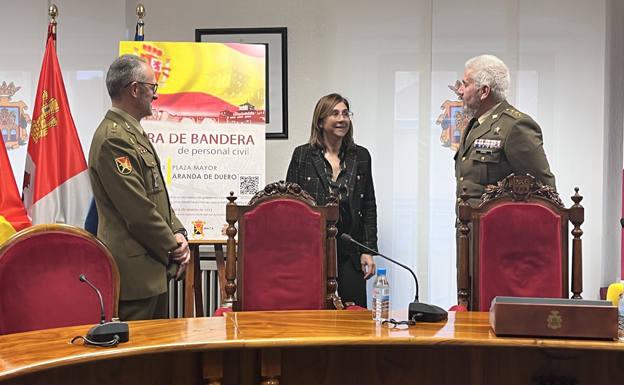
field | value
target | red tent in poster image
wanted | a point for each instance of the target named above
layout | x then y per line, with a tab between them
56	181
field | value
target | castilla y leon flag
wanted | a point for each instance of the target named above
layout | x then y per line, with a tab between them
13	216
56	180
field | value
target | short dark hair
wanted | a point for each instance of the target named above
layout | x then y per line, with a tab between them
124	70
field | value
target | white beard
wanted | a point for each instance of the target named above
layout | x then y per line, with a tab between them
470	111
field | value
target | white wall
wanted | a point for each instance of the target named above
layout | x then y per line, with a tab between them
87	39
613	146
393	60
565	44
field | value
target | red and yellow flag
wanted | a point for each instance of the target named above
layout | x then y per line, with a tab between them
204	78
56	180
12	213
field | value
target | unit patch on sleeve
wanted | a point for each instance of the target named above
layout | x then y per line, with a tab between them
124	167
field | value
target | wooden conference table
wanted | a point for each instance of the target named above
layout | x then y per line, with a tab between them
308	347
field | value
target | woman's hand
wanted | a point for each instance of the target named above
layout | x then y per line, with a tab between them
368	265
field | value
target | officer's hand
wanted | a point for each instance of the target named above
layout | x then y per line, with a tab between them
181	254
181	270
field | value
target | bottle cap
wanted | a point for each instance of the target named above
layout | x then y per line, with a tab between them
381	271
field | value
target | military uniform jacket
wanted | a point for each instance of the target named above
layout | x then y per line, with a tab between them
136	220
307	169
508	141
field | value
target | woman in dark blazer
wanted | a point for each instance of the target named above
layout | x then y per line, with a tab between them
332	162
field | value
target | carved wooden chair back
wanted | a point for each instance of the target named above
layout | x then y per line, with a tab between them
40	288
285	257
514	242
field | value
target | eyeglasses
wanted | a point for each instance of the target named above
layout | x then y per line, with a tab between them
393	324
345	114
152	86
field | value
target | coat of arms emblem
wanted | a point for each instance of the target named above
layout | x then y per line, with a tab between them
198	229
13	117
554	320
452	120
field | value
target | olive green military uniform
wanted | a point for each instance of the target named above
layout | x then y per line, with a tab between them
506	141
136	220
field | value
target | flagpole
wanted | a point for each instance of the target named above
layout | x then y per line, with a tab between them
56	179
139	34
53	12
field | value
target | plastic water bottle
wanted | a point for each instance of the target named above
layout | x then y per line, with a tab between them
381	297
621	317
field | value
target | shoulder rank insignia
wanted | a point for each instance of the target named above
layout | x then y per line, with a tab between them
123	165
513	112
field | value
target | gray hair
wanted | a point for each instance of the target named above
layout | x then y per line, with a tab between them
488	70
124	70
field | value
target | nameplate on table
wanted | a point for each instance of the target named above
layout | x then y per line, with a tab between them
553	317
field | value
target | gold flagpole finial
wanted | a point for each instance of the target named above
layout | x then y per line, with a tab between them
53	12
139	34
140	10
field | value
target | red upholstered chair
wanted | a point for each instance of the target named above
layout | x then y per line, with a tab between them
515	243
39	279
285	258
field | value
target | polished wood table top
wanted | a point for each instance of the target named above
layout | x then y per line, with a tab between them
29	352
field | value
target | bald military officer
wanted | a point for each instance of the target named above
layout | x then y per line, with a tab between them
136	220
499	139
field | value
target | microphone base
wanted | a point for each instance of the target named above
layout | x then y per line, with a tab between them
422	312
107	331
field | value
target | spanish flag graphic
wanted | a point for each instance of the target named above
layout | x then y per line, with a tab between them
13	216
204	80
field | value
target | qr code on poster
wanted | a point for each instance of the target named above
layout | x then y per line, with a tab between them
249	184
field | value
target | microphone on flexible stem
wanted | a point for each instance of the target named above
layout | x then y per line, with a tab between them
105	332
417	311
85	280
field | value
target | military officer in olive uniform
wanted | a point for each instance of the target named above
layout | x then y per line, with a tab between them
499	139
136	220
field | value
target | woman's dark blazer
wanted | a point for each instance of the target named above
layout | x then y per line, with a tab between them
307	170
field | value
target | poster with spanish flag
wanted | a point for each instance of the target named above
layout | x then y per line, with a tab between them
208	126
